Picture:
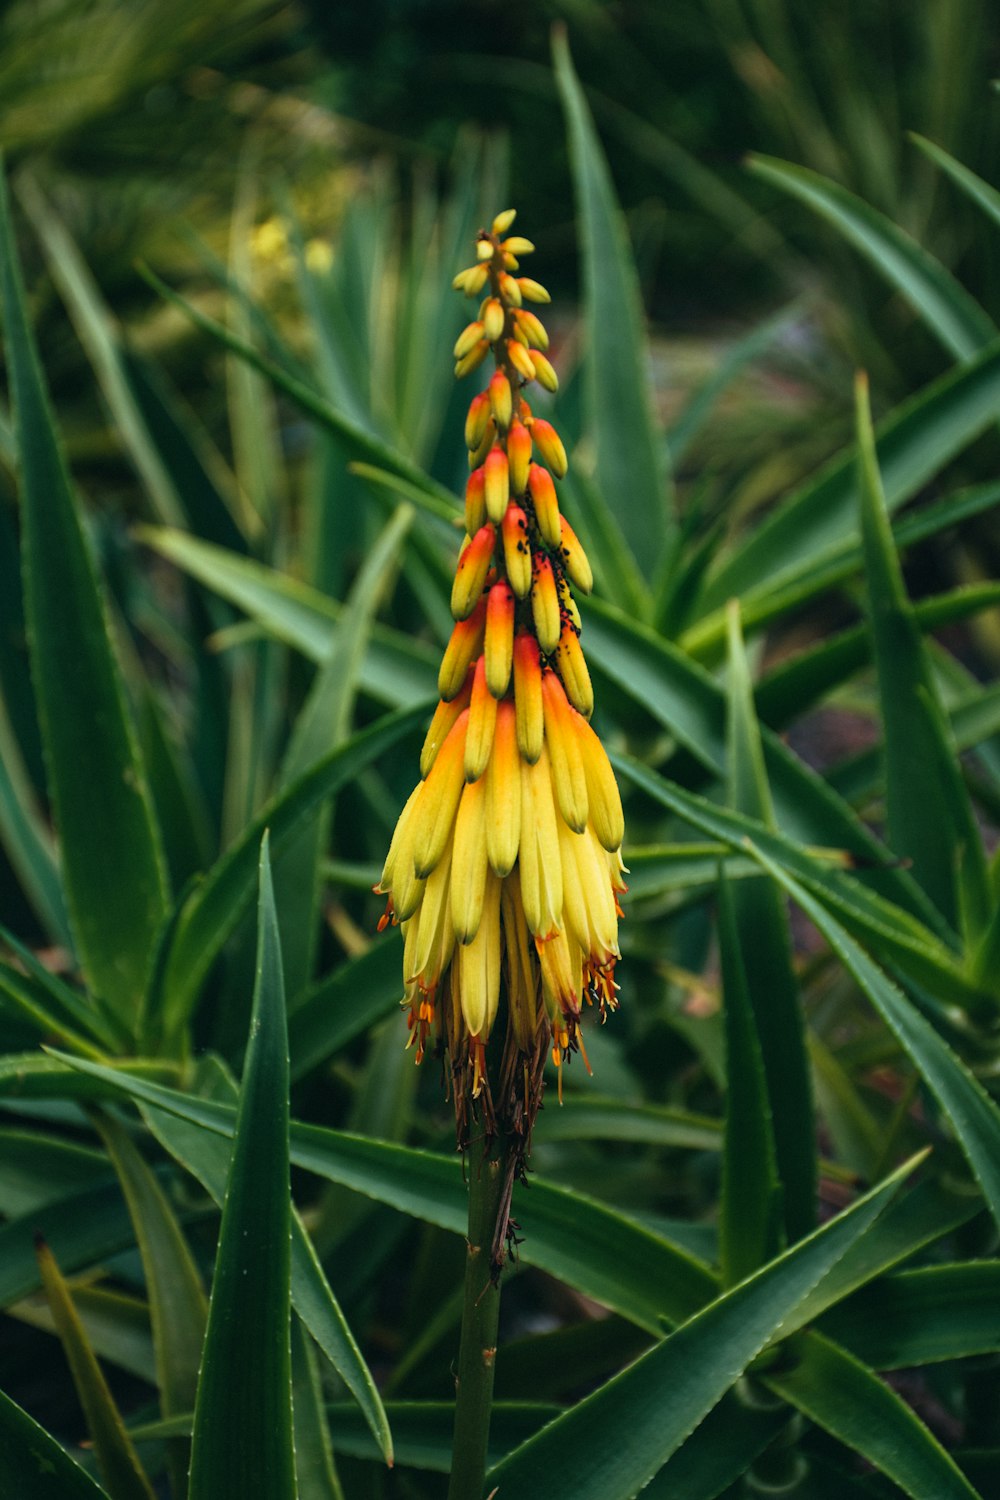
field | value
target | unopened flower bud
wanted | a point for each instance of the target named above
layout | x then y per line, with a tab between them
472	360
482	722
569	780
549	444
488	439
532	328
501	400
497	484
517	245
520	359
528	696
493	316
445	716
575	560
517	550
504	220
543	497
574	673
476	420
509	290
545	605
544	372
484	250
470	575
465	644
499	637
468	339
475	502
518	456
532	291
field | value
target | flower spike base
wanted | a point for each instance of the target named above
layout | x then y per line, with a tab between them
505	868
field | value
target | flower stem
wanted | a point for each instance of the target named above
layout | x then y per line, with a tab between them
480	1316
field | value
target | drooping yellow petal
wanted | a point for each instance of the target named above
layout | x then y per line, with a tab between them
539	859
568	778
503	793
604	798
479	965
434	814
469	863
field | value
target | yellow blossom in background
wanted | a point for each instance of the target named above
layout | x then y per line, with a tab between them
505	867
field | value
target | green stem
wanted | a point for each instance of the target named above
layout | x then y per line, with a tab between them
480	1316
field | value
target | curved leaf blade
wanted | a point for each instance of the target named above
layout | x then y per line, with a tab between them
32	1463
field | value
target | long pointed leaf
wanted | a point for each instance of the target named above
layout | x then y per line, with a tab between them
32	1463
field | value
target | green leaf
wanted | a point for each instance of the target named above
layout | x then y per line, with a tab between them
116	1457
37	1168
841	1394
919	818
112	866
177	1304
117	1326
915	442
215	907
980	192
757	965
207	1156
750	1207
630	452
974	1116
31	1075
27	840
661	1398
242	1441
315	1471
587	1117
32	1463
921	1317
397	670
952	315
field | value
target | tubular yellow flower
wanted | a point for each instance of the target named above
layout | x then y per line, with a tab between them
505	868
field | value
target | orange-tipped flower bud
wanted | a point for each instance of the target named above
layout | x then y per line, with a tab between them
550	446
573	671
475	501
517	550
488	439
497	484
476	420
518	245
501	401
532	291
520	359
545	605
441	724
499	637
504	220
543	497
482	722
468	339
576	561
509	290
532	328
465	644
470	575
544	373
471	281
518	456
472	360
528	696
493	317
569	781
503	793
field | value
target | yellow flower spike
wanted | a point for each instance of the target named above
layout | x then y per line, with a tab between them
532	291
465	644
501	400
493	319
543	497
544	371
476	420
522	983
475	501
472	360
445	716
520	359
433	816
603	795
550	446
470	575
479	966
503	793
516	550
509	290
498	641
517	245
569	780
528	696
532	328
503	221
575	560
489	437
469	864
538	855
588	899
518	456
497	484
545	605
482	723
468	339
573	671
